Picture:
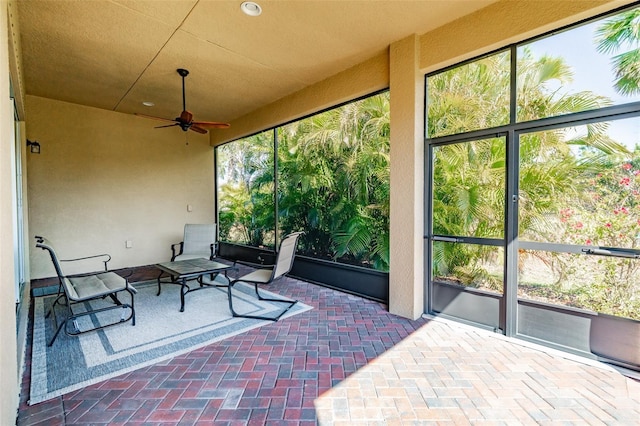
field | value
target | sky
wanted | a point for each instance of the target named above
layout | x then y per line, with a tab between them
592	71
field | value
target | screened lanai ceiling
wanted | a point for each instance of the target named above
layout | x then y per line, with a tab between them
117	54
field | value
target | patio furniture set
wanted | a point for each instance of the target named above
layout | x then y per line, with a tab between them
192	266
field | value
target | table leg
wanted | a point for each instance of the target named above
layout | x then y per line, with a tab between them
159	288
211	278
182	287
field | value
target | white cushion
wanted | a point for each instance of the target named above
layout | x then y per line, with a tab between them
82	288
257	276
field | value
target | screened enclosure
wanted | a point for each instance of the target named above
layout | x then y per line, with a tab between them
533	165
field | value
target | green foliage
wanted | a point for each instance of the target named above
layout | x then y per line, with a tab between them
622	32
605	215
333	184
469	97
576	185
469	181
245	173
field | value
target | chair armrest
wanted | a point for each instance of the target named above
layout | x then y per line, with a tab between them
106	267
173	250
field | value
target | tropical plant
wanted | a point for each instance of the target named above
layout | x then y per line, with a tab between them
601	216
469	97
622	32
333	183
469	177
245	171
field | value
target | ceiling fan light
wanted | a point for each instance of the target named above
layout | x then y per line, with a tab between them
251	8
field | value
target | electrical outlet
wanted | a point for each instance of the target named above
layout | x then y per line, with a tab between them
128	244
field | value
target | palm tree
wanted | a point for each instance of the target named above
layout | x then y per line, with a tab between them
469	97
537	96
334	182
469	177
246	190
622	31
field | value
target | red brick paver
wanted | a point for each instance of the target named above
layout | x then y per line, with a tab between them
349	362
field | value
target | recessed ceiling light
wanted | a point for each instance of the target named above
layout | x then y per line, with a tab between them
148	103
251	8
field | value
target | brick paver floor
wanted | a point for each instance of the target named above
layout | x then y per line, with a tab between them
349	362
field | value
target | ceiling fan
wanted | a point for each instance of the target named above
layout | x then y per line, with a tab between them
185	120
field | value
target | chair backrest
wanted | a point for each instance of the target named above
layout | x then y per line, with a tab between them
286	254
198	238
45	244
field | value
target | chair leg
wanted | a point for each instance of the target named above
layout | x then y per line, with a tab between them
53	339
290	303
53	305
233	312
133	309
55	318
73	317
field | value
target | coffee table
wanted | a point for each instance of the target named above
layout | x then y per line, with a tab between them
188	270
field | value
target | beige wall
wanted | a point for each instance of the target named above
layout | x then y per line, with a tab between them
104	177
361	80
8	349
407	180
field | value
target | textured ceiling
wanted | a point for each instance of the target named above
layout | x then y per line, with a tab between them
115	54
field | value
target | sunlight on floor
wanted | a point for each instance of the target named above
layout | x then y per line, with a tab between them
454	373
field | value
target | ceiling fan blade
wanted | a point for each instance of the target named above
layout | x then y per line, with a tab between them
154	118
185	121
198	129
168	125
212	124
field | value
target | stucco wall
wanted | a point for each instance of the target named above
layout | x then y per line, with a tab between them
363	79
407	180
104	177
8	359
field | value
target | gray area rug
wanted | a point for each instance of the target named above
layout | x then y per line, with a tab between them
161	332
